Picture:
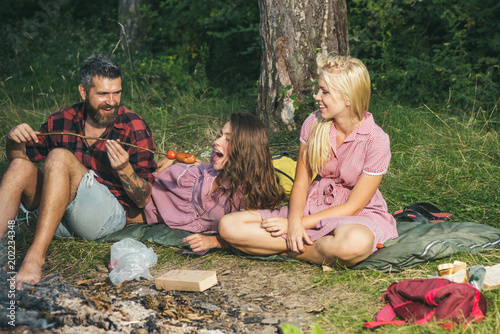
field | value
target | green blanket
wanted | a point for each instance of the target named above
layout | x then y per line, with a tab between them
157	233
417	242
422	242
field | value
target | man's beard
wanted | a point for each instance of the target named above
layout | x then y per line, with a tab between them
104	120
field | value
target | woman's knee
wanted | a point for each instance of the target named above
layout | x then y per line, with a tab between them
232	226
354	246
225	230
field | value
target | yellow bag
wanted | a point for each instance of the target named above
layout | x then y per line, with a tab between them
285	169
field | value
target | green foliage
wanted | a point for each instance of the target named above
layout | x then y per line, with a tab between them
168	74
43	47
292	329
426	51
225	33
448	160
439	52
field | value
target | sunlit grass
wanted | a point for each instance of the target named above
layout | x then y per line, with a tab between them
450	161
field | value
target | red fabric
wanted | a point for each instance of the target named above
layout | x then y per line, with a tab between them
128	128
421	300
374	324
386	313
479	306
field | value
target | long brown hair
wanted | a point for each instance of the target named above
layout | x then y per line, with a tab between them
249	169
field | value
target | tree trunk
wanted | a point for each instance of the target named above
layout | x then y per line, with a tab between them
291	32
134	27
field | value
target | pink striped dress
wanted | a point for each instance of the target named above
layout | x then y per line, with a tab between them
181	199
365	151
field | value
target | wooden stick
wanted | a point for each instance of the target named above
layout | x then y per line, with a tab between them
95	138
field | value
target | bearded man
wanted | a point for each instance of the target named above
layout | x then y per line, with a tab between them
88	186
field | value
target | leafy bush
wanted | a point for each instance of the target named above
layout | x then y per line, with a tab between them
225	32
45	43
426	51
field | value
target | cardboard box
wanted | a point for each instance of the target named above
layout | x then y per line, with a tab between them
186	280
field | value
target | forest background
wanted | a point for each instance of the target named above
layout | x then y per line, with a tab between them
434	66
432	52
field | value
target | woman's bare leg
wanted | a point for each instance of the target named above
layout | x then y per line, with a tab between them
348	245
243	231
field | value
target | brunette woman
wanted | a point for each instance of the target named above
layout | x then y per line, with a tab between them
240	176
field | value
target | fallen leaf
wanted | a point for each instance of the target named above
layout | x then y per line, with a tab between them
86	283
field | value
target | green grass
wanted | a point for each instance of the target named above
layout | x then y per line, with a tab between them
450	161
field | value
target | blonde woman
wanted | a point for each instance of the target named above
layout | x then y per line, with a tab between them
341	216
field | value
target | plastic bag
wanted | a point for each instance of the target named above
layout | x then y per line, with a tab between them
476	276
130	259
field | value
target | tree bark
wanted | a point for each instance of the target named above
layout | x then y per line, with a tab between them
134	26
292	32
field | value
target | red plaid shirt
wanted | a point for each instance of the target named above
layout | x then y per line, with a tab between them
128	128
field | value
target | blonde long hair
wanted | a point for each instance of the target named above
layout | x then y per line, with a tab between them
350	77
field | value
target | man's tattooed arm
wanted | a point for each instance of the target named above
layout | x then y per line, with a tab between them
136	188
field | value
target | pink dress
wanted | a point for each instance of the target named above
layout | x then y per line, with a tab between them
181	199
365	151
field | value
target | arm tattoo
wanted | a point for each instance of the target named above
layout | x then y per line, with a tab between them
137	188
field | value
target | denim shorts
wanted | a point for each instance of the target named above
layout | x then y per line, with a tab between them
94	213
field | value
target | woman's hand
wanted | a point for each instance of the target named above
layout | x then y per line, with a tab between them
199	243
296	237
163	164
276	226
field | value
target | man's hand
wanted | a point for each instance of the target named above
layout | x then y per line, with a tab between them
136	188
22	133
16	141
118	157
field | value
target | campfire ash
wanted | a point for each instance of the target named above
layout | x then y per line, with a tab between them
57	306
236	304
100	308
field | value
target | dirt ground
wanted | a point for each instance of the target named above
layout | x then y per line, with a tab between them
250	297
